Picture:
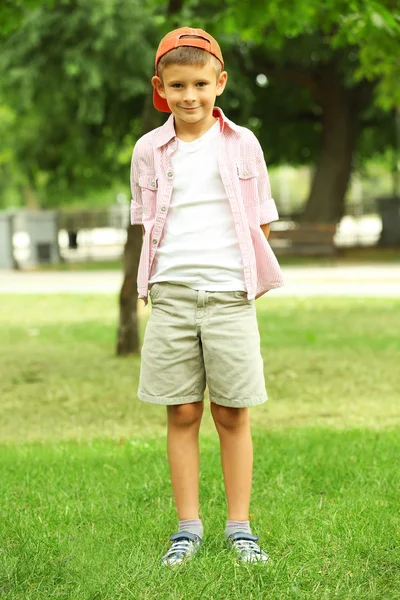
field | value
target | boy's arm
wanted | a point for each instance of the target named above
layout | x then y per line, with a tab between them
268	210
136	201
265	229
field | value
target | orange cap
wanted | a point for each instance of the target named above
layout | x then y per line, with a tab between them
175	39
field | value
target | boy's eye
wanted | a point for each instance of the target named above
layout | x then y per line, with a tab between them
179	85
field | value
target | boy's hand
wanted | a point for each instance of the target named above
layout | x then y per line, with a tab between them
265	229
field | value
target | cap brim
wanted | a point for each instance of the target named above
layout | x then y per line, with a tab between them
160	103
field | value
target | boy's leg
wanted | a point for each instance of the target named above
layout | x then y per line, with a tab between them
233	426
172	373
235	376
184	462
183	456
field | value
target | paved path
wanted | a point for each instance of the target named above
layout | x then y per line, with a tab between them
362	280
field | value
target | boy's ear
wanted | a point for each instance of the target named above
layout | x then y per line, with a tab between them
221	83
158	85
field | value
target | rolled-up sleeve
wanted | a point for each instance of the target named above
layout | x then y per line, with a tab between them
136	201
268	210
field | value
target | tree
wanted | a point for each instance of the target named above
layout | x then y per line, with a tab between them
344	55
81	70
13	13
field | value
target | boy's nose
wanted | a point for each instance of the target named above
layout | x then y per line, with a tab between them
189	96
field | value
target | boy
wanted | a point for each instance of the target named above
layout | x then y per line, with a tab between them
200	189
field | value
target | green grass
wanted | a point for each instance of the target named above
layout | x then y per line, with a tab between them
327	361
85	499
90	520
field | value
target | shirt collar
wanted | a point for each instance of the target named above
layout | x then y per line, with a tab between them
167	131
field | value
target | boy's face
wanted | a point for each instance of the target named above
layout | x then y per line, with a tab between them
190	91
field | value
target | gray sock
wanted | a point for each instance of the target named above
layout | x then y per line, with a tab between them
192	525
235	526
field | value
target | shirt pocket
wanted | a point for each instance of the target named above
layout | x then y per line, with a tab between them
148	183
248	181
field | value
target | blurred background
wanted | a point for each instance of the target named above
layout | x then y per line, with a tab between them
317	82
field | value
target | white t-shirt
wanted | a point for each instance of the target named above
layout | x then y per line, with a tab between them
200	246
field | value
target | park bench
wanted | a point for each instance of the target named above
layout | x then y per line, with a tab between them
316	239
83	219
73	222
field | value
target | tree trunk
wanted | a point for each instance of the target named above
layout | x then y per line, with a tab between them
334	165
30	197
128	331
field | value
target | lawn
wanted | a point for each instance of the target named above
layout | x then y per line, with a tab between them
85	498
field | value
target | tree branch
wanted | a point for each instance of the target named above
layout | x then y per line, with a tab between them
174	6
289	73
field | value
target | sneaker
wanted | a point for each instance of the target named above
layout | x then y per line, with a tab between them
246	548
184	547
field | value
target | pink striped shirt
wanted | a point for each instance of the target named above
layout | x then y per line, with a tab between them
245	178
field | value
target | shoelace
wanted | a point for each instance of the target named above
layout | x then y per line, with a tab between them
179	546
248	545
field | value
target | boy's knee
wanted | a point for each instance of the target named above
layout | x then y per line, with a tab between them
184	415
229	417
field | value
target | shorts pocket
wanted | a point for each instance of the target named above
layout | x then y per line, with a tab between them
241	295
154	292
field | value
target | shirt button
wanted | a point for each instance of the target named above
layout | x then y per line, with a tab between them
153	184
154	241
169	173
163	208
245	173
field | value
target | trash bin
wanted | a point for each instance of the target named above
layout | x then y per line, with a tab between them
42	229
6	241
389	210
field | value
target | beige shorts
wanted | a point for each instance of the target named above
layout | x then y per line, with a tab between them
198	337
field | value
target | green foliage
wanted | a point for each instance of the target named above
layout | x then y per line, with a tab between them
308	33
13	12
375	31
10	175
75	75
294	43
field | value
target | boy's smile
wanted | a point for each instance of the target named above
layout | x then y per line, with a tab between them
190	91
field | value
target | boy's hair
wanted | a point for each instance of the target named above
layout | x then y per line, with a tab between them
185	46
188	55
